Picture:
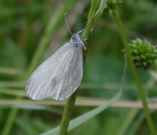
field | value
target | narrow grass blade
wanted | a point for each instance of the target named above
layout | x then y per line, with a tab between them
135	126
125	126
85	117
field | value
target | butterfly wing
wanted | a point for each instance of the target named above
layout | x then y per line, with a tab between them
56	77
72	74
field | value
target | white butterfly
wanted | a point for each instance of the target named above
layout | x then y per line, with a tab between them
60	75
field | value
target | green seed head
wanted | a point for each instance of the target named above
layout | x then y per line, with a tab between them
143	53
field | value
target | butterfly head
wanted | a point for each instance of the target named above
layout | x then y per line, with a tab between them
77	41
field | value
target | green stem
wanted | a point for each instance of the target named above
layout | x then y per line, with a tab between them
68	109
91	19
142	95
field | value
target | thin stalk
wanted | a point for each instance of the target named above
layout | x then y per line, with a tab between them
71	101
91	19
68	109
142	95
128	121
55	22
81	101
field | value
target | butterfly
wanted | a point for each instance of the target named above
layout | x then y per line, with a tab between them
60	75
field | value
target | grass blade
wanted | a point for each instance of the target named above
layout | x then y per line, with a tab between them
85	117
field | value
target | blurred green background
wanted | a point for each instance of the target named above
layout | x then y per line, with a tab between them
22	26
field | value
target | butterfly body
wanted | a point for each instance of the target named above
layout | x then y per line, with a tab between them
76	40
60	75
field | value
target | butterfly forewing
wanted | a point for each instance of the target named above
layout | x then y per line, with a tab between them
59	76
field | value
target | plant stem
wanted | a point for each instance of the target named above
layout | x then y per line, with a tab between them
91	19
68	109
142	95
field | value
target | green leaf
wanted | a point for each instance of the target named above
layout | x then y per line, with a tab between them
85	117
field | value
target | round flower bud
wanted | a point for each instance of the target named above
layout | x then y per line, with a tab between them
143	53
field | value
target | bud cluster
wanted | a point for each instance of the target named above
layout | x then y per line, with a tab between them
143	53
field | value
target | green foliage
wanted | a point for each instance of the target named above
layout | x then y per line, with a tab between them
24	28
85	117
